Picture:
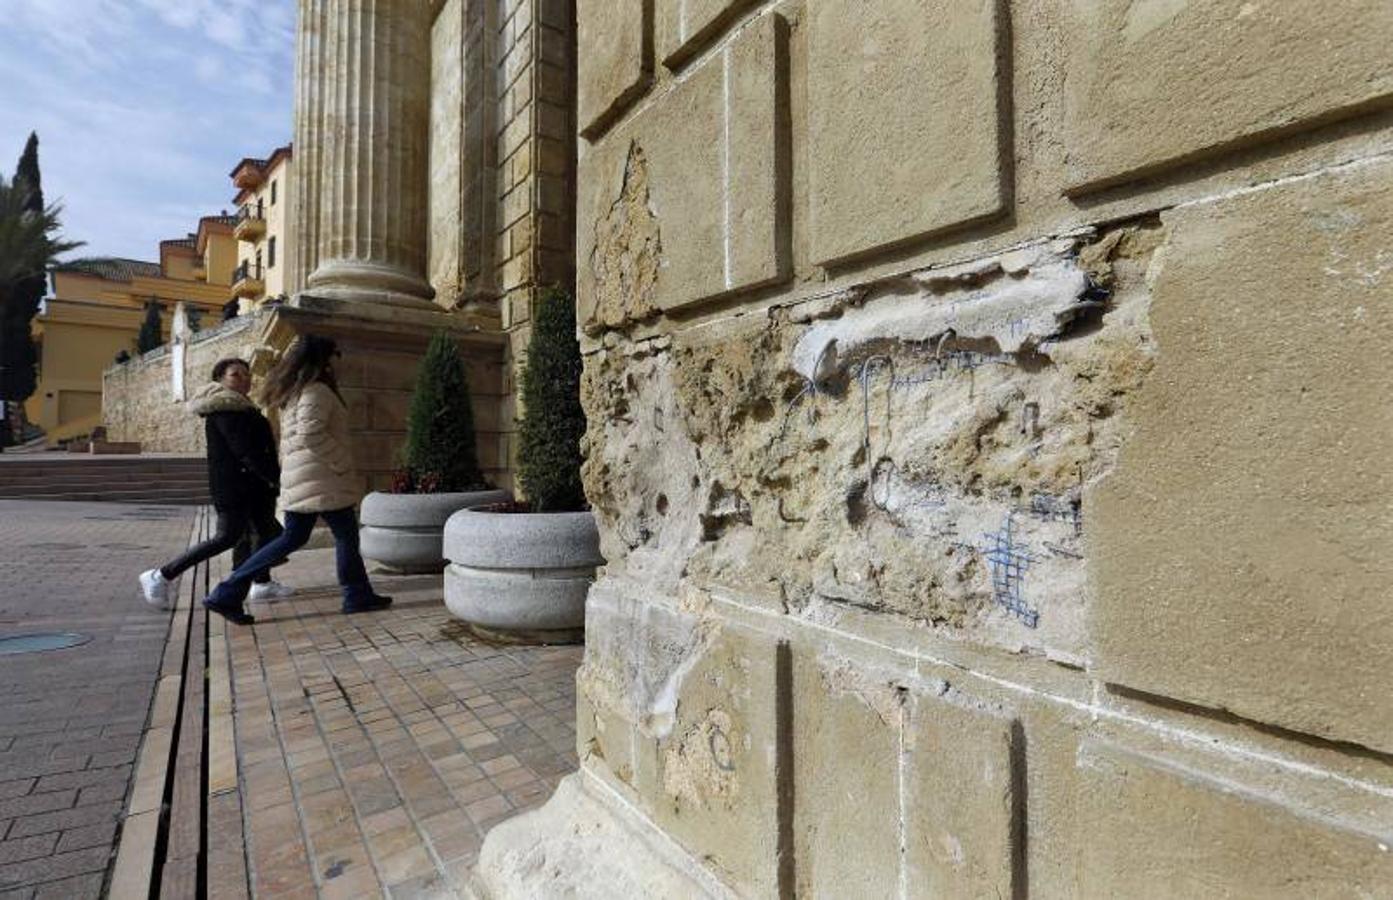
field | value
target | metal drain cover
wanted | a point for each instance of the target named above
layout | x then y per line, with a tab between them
40	641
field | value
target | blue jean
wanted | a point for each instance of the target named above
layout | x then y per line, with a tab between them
353	575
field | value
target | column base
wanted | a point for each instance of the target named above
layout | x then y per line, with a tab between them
587	842
352	280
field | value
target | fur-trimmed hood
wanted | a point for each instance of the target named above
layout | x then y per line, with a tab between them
214	397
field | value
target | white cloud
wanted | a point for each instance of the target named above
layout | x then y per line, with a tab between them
209	70
142	108
225	27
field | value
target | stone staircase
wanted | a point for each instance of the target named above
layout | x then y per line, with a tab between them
178	480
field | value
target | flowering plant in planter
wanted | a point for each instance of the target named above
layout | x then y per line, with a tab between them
405	481
403	528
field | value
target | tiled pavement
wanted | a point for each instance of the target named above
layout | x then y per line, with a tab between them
371	752
374	751
71	720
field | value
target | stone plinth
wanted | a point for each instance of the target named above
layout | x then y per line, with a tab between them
381	348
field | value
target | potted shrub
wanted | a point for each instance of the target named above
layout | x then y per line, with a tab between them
439	474
521	570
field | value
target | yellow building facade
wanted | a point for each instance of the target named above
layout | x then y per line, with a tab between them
96	309
263	201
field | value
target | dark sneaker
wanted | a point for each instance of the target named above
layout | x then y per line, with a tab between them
367	604
233	614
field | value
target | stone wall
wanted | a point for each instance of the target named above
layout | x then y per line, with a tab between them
376	373
138	401
988	436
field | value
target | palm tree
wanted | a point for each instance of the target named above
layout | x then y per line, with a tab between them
27	248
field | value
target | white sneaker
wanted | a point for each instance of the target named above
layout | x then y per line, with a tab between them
155	587
271	590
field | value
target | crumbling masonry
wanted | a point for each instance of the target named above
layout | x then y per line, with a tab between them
989	438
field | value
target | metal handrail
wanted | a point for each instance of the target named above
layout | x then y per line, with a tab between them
247	211
244	271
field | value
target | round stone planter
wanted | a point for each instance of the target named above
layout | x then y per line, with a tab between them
404	532
521	576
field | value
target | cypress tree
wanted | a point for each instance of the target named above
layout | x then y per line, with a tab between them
552	421
27	174
440	453
150	335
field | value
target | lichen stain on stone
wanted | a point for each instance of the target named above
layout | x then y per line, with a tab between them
627	255
699	768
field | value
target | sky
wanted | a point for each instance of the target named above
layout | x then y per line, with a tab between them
142	108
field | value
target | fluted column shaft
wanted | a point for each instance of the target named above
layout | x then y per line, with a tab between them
373	85
308	149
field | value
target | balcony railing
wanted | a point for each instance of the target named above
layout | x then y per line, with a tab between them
245	272
251	222
246	281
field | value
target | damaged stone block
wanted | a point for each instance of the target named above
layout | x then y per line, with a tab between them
720	766
685	202
700	703
921	447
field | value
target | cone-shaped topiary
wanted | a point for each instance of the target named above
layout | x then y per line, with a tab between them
150	335
440	455
552	420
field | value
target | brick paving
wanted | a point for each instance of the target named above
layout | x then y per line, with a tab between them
71	720
366	755
374	751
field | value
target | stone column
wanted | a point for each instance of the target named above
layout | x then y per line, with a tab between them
309	111
374	86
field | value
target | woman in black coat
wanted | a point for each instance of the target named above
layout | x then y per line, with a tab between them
243	479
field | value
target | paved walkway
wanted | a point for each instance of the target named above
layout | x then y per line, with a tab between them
71	720
375	751
310	755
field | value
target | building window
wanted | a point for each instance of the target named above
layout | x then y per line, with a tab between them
273	194
271	252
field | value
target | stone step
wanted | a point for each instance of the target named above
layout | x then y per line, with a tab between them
39	489
180	480
12	465
142	478
154	497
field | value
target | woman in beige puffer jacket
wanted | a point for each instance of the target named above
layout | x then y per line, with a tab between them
317	478
317	472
